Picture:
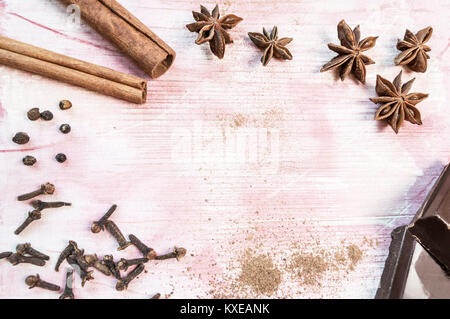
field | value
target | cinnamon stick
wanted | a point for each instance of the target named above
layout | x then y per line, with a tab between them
129	34
69	70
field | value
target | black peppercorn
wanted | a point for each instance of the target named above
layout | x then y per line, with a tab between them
21	138
65	105
33	114
29	160
47	116
65	128
61	158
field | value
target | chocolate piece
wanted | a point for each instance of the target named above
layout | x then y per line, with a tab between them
393	280
431	226
410	272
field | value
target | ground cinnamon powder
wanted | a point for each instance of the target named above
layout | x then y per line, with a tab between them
355	255
259	273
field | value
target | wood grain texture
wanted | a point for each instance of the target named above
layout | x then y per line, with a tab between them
226	154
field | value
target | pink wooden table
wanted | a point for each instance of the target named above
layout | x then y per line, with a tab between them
316	170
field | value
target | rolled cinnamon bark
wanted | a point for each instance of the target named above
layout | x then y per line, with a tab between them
69	70
129	34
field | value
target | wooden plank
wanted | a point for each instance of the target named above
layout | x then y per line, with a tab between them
324	170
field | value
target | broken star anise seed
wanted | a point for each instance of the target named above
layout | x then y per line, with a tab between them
213	29
350	59
272	46
397	104
414	53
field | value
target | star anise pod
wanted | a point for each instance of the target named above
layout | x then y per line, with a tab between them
271	45
350	58
397	104
210	27
414	53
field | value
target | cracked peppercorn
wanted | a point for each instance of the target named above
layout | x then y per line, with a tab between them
21	138
65	128
29	160
33	114
47	116
61	158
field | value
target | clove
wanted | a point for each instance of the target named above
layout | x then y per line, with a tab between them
99	225
40	205
108	261
117	234
147	252
93	261
177	253
66	253
32	216
122	284
77	257
157	296
17	258
6	254
46	188
124	264
27	249
84	273
36	281
68	290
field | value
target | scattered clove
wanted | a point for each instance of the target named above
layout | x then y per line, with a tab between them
46	188
177	253
27	249
21	138
36	281
32	216
108	261
5	254
93	261
85	274
40	205
123	264
99	225
65	105
33	114
29	160
114	230
157	296
61	158
65	128
47	116
17	258
147	252
122	284
66	253
68	290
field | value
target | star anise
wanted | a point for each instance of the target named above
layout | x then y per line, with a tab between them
414	53
213	29
271	45
397	104
350	58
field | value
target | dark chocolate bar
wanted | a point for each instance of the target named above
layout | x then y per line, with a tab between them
410	272
431	226
396	269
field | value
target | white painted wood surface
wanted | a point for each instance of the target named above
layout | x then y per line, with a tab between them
331	173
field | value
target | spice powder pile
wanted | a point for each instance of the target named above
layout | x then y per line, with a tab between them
259	273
